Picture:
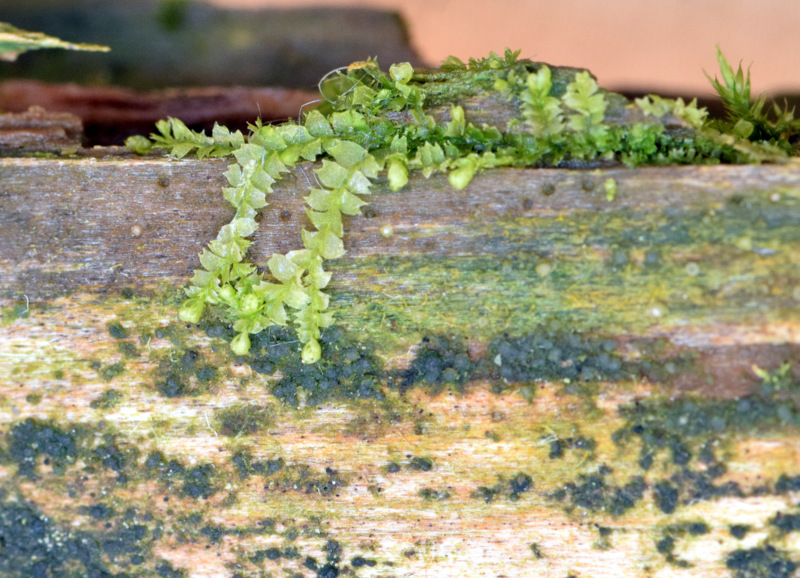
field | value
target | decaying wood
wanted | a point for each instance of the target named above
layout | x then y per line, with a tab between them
688	278
111	114
34	129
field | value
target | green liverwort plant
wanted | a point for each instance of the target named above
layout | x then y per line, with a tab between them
372	123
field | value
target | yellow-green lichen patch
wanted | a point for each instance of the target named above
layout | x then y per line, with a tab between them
622	270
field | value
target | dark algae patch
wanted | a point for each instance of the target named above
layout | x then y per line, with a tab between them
681	435
512	489
185	373
117	331
108	372
242	419
434	494
665	496
348	370
278	476
34	545
786	522
594	493
245	466
34	443
109	399
545	355
763	562
440	362
672	534
197	482
39	446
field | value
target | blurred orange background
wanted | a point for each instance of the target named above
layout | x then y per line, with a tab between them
659	45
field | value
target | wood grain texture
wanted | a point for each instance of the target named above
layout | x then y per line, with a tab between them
525	379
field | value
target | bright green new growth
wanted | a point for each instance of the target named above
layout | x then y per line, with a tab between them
372	124
746	116
295	292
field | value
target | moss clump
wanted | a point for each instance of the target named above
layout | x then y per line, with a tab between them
108	455
680	433
361	562
665	496
166	570
519	484
38	444
488	494
787	484
675	532
537	551
282	477
128	349
662	423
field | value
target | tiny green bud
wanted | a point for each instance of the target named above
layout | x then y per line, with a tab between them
398	174
311	352
227	293
249	304
461	177
401	73
191	310
241	344
139	144
610	187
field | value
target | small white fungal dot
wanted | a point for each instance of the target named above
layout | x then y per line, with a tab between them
387	231
744	243
693	269
136	231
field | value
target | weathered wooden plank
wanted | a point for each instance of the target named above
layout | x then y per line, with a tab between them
499	397
110	114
